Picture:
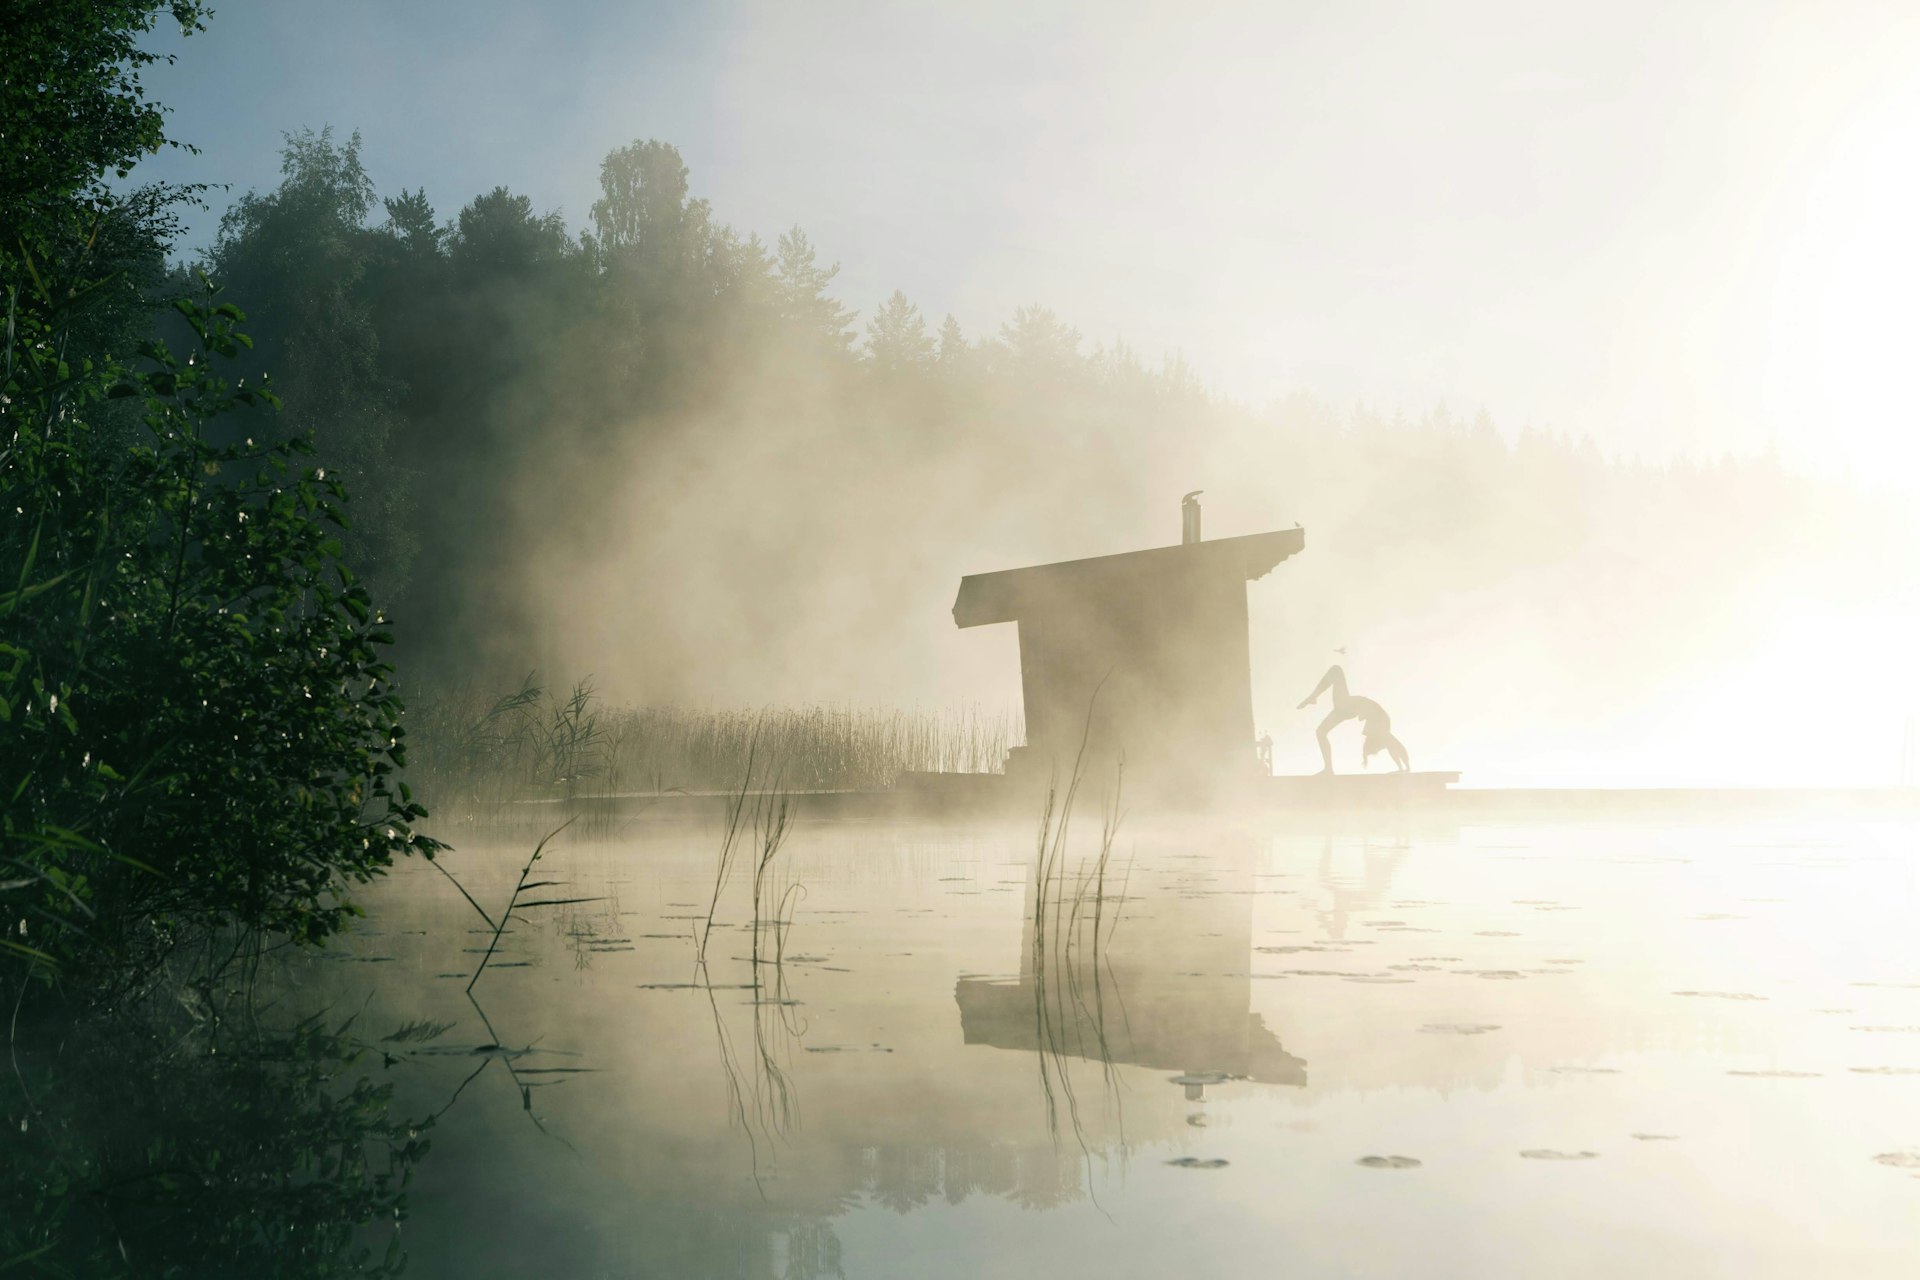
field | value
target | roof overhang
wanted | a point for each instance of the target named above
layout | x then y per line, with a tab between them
1004	596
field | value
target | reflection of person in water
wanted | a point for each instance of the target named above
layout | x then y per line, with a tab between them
1376	733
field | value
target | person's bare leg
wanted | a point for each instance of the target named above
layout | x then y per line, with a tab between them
1399	754
1326	746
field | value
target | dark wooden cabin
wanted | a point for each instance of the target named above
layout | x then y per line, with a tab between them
1160	634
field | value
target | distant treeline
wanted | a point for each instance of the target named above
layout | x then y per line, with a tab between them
663	444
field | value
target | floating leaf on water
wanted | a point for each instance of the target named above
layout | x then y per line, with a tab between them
1779	1075
847	1048
1461	1028
1586	1071
1899	1159
1886	1071
1656	1137
1198	1120
1203	1077
474	1051
1195	1162
1722	995
1547	1153
419	1030
1388	1162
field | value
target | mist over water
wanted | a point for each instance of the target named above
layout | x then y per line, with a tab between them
755	641
1354	1051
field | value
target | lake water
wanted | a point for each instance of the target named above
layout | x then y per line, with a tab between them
1400	1050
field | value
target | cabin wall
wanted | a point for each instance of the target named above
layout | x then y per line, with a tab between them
1167	652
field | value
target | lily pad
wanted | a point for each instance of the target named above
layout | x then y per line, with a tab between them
1203	1077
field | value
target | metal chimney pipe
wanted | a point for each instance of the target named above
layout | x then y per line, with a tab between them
1190	518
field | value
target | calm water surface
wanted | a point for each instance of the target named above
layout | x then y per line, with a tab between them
1593	1050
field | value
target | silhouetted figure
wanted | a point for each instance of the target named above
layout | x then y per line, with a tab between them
1376	733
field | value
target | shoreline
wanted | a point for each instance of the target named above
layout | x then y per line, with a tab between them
1358	795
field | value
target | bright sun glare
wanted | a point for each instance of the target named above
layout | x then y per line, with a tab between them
1846	319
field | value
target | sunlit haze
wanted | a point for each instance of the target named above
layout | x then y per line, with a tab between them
750	639
1671	230
1662	226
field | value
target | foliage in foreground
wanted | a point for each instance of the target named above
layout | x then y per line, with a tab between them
198	735
200	732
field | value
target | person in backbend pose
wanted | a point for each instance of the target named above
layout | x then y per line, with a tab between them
1376	730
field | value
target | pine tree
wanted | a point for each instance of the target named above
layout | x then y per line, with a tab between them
801	290
1037	342
897	339
954	351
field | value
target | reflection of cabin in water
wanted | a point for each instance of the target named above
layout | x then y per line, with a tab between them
1171	992
1147	1017
1144	653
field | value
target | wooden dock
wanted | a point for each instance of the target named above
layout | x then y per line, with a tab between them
1353	790
1314	797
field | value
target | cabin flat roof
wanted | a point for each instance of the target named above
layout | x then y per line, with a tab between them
1003	595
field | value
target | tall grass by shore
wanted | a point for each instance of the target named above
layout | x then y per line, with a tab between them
473	753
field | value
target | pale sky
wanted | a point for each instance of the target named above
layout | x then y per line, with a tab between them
1662	225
